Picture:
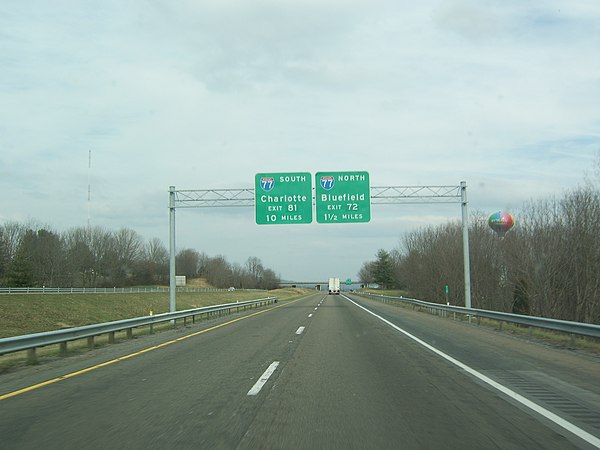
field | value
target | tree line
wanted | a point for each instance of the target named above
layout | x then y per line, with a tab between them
548	265
32	255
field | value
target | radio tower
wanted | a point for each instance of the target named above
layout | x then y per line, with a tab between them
89	188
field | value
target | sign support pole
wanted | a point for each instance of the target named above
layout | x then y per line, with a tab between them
172	285
465	230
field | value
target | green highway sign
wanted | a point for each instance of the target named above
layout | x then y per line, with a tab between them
343	197
349	281
283	198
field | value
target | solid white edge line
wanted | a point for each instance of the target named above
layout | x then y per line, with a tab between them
588	437
300	330
263	379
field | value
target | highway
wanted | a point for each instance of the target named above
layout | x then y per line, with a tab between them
322	372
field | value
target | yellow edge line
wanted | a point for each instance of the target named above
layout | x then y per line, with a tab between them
131	355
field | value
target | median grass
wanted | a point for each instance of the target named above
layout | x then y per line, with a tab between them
31	313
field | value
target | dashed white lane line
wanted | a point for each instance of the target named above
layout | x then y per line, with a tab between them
300	330
310	315
263	379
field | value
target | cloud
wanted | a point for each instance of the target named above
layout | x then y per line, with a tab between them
469	19
202	94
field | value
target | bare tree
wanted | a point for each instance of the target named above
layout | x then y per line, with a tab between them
79	260
581	210
187	262
218	272
104	256
255	271
270	280
433	259
12	233
365	274
154	263
34	255
128	246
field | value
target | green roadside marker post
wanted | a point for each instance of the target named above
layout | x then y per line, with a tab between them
447	291
343	197
283	198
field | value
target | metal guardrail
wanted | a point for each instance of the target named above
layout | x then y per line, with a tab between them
115	290
565	326
30	342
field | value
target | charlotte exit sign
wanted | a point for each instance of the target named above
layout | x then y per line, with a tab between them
343	197
283	198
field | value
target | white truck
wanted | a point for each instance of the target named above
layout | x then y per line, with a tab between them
334	286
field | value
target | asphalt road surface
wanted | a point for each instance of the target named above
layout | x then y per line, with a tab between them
322	372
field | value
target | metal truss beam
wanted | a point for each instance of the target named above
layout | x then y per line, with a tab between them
416	194
216	198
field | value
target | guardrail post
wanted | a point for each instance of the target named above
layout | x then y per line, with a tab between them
129	333
63	349
90	342
31	356
111	337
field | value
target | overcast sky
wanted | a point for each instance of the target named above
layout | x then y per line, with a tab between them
199	94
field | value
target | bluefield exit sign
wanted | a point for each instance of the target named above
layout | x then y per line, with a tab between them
343	197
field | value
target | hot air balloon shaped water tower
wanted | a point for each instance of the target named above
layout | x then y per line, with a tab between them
501	222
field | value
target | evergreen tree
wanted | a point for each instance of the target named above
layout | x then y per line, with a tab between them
383	269
19	271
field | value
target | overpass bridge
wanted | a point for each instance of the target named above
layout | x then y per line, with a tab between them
307	284
316	284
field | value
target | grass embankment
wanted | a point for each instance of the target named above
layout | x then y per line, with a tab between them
32	313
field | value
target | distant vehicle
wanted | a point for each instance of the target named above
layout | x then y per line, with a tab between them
231	289
334	286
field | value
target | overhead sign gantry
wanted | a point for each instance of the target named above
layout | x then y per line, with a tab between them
286	198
